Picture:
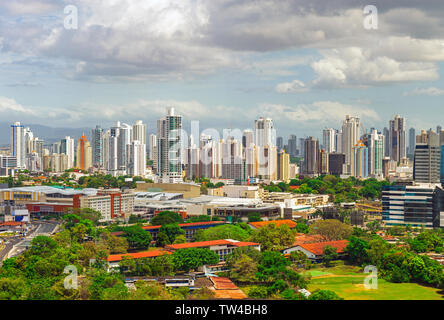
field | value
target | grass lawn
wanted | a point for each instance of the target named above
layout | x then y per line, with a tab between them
348	283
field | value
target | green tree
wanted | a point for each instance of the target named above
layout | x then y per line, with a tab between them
193	258
225	231
329	254
166	217
357	250
254	217
137	237
172	231
331	229
274	238
324	295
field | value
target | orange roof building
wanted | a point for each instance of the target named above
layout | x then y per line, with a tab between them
137	255
223	288
221	247
260	224
315	250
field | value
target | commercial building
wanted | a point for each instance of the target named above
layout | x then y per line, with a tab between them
110	203
416	205
427	160
336	163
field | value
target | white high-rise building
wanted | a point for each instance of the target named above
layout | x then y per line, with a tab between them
375	146
123	140
329	136
247	138
139	132
338	141
136	158
264	132
351	133
169	147
67	147
17	146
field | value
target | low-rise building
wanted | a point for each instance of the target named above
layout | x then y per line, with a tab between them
221	247
315	251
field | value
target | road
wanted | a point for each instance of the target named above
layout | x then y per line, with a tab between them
17	245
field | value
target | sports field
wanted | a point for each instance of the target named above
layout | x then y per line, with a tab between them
348	283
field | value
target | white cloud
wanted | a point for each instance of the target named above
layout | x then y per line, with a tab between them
355	67
319	111
432	91
295	86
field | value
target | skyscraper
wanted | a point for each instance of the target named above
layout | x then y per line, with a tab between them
18	144
279	143
427	161
292	146
397	139
375	145
283	166
169	161
136	158
311	156
84	154
412	141
97	146
264	132
360	161
351	131
329	140
139	132
123	140
247	138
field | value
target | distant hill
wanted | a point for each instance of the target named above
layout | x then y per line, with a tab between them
49	134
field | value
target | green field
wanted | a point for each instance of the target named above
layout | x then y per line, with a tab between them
348	283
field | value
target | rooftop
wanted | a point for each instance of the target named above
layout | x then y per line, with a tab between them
137	255
203	244
317	248
53	190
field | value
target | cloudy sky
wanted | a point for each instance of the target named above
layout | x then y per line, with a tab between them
304	63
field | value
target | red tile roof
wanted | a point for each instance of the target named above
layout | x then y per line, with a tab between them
223	283
278	223
318	247
302	238
190	224
12	223
203	244
137	255
225	289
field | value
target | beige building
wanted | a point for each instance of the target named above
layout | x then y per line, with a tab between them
188	190
283	166
57	162
111	204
